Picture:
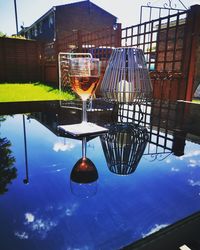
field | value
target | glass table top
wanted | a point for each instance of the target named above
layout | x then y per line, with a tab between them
143	174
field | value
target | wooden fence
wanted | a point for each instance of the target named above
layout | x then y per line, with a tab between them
171	46
19	60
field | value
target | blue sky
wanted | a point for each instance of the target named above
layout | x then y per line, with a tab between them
127	11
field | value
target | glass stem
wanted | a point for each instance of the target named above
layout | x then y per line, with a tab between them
84	145
84	109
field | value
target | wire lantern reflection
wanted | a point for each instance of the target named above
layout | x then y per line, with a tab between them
123	147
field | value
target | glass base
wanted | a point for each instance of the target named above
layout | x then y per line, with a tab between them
84	128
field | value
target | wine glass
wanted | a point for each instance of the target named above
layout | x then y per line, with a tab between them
84	74
84	175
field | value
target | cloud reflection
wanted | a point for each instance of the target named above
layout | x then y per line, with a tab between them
60	146
29	217
156	228
175	169
70	211
35	225
190	154
192	158
39	226
21	235
194	163
194	183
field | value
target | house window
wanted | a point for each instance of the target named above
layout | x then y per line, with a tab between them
29	34
32	32
50	20
35	31
40	27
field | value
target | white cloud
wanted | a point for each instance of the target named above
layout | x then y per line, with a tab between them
194	183
42	225
168	161
21	235
60	146
71	210
175	169
38	225
29	217
155	229
194	163
82	248
191	154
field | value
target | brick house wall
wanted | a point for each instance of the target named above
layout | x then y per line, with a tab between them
84	16
61	21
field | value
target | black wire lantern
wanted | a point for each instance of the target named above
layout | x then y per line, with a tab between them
123	146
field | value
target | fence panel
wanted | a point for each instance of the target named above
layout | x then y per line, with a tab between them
163	43
19	60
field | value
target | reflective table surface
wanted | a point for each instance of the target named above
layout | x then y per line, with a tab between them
140	177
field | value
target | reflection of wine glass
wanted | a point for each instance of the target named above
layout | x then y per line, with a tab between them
84	175
84	73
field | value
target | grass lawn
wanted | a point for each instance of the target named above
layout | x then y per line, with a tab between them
10	92
196	101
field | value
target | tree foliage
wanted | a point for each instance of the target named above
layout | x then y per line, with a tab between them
7	170
12	36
